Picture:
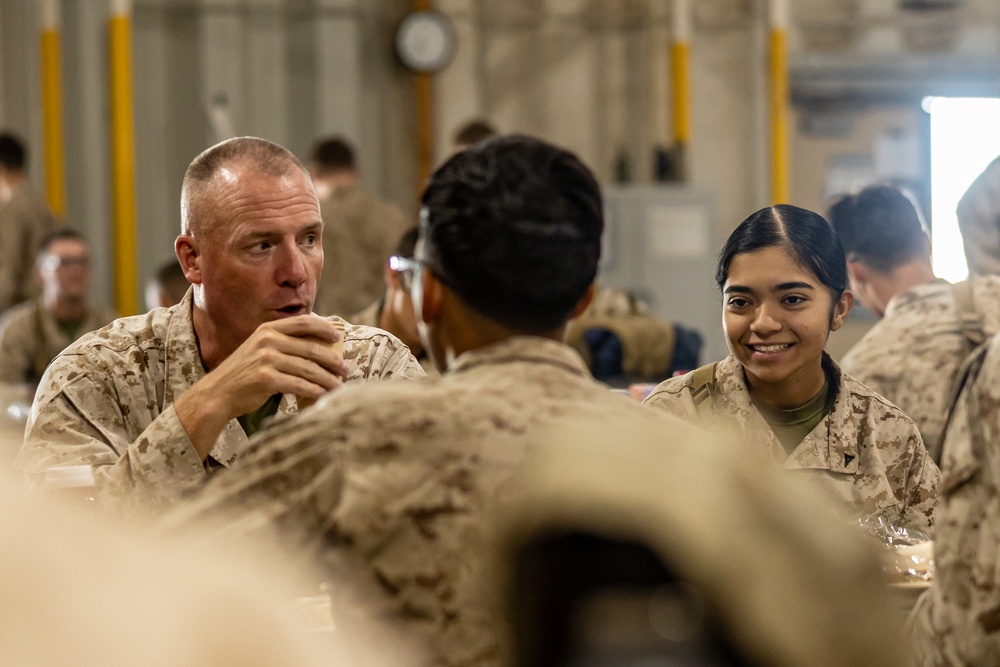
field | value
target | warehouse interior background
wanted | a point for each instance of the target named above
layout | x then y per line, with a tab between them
878	90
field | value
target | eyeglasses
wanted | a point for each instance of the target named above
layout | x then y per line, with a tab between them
53	262
405	268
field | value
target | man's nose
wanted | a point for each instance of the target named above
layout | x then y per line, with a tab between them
291	269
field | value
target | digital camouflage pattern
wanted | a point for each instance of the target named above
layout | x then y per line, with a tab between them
372	317
30	338
400	476
359	234
979	221
24	222
957	621
913	354
108	401
866	452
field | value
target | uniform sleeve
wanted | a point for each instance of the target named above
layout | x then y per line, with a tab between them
80	416
922	482
957	622
373	354
17	342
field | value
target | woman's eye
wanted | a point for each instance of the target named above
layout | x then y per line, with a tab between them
738	303
794	300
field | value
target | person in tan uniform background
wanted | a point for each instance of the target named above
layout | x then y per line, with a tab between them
167	286
472	132
979	221
783	277
394	311
25	219
359	232
957	621
928	327
158	401
32	334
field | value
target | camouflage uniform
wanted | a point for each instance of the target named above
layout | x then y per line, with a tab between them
912	356
359	234
979	220
957	622
24	222
865	451
107	401
399	475
372	317
30	338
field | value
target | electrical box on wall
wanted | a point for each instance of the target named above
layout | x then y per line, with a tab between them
659	243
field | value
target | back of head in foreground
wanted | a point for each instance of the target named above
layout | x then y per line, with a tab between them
670	548
511	227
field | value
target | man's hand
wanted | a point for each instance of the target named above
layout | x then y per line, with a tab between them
287	356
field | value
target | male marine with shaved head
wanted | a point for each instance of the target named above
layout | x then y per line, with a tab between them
157	402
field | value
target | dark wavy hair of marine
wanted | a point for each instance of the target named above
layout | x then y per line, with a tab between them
880	226
806	236
513	225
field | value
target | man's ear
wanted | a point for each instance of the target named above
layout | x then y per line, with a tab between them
189	255
431	296
584	303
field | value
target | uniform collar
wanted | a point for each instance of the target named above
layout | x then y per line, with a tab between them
916	294
531	349
832	445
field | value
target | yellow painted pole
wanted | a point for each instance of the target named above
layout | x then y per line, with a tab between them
123	157
779	100
680	46
55	168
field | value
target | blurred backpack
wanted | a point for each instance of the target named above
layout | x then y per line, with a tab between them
622	342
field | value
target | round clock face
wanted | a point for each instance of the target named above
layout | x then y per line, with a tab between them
425	41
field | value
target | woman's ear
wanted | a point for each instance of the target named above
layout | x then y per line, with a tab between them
841	309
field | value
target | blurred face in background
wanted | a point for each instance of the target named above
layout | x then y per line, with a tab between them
64	269
398	316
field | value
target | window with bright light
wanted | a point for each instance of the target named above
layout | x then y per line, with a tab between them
965	137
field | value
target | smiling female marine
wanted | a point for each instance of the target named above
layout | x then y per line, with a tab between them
783	278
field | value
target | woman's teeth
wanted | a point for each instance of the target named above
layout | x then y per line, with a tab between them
770	348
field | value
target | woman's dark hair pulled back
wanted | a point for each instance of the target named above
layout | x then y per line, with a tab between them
805	235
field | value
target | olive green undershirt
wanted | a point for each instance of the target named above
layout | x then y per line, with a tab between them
792	426
69	327
252	421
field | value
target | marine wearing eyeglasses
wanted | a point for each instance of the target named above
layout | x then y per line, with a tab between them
34	332
394	310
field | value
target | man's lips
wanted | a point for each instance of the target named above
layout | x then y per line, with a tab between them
292	310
